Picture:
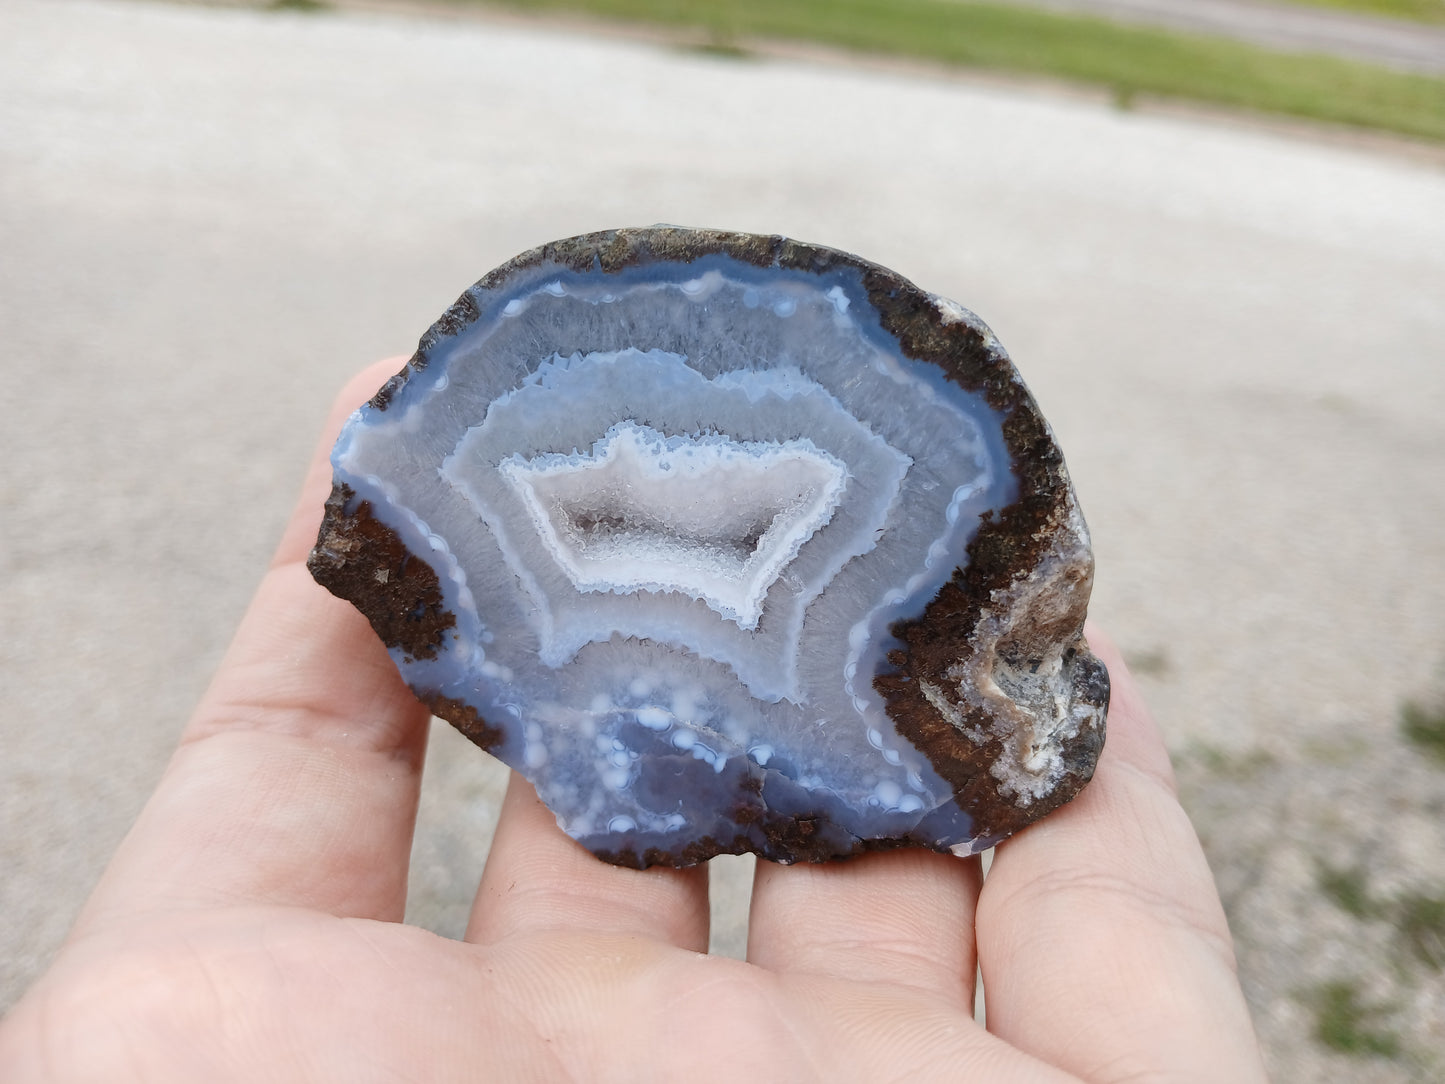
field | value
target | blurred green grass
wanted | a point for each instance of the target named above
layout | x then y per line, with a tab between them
1420	11
1128	60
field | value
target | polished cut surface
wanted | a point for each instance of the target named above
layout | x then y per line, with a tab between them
728	543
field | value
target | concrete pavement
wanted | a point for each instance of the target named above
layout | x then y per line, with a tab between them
210	217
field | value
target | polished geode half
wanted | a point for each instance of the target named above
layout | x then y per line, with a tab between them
728	543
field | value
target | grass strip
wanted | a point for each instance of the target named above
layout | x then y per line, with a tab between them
1129	60
1424	728
1420	11
1345	1023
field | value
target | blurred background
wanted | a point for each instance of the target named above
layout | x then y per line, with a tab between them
1210	232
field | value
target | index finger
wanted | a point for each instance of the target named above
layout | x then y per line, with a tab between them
296	781
1102	942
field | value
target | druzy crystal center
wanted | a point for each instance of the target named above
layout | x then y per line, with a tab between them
709	517
728	543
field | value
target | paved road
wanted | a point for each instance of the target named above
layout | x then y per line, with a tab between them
209	217
1297	28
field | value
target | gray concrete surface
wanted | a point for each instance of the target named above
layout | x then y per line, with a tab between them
209	218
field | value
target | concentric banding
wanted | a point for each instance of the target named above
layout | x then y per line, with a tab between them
676	507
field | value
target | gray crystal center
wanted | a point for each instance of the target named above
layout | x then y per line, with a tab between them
708	517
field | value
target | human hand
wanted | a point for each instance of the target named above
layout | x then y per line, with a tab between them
249	928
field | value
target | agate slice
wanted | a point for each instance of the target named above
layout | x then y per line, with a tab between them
728	543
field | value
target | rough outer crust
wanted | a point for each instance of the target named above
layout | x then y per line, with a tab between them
1007	629
361	559
466	719
786	840
999	636
783	838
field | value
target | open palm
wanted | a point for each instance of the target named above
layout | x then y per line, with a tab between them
250	928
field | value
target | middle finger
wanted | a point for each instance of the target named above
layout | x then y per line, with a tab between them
902	917
538	879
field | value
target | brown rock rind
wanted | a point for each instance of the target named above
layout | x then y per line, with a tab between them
906	311
983	622
809	836
786	840
362	560
1013	612
466	719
